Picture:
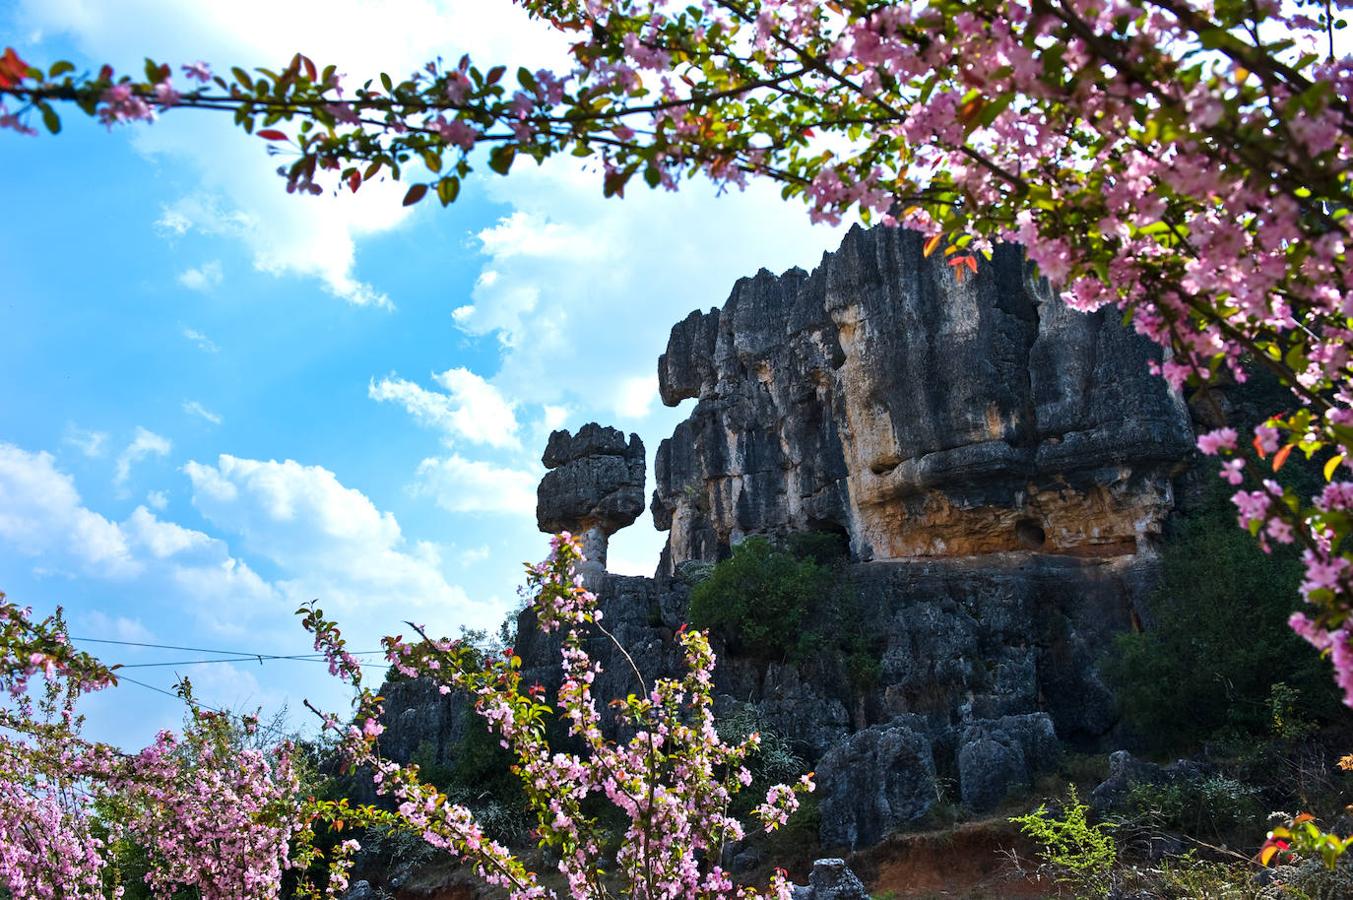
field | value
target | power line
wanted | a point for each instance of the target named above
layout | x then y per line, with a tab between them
199	649
197	704
260	659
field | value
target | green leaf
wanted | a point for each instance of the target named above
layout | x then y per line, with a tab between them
50	119
243	78
500	158
527	80
432	159
416	193
59	68
448	189
387	83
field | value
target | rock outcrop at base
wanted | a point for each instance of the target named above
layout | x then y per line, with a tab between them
883	398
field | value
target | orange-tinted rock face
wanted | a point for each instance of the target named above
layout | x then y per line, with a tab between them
881	398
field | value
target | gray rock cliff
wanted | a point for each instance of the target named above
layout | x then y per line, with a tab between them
920	415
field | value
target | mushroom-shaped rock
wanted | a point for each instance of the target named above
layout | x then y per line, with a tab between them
594	488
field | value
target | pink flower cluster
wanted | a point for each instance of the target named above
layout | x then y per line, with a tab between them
673	778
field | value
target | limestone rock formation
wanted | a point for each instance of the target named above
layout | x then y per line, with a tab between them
1000	466
878	780
921	416
594	487
831	879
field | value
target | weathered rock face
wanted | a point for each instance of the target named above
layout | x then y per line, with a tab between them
998	462
594	488
921	416
881	779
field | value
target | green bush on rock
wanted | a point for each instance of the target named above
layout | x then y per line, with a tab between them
760	598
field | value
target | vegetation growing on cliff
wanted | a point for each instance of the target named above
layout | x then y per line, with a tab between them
790	601
1217	645
760	599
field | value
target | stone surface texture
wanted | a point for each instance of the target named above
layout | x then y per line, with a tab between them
1001	467
880	397
594	487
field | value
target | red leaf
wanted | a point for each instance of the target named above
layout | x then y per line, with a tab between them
271	134
355	181
310	71
413	196
12	68
1259	447
1281	457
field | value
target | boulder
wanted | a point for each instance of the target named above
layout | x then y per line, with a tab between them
998	756
831	879
876	781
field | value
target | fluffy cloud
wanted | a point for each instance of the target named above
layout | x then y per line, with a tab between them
204	343
144	444
90	443
41	515
470	409
326	540
202	278
470	486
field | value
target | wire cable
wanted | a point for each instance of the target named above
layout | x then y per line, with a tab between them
89	640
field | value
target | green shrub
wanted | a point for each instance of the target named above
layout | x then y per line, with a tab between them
760	598
1219	640
1076	851
1211	808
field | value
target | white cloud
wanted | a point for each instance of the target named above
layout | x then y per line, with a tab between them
203	278
145	444
553	417
470	409
157	500
41	515
634	396
459	485
582	291
117	628
193	408
203	342
90	443
472	555
327	540
162	539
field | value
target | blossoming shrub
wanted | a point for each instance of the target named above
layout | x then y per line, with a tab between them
672	780
202	813
198	811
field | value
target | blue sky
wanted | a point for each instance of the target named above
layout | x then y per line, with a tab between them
223	400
